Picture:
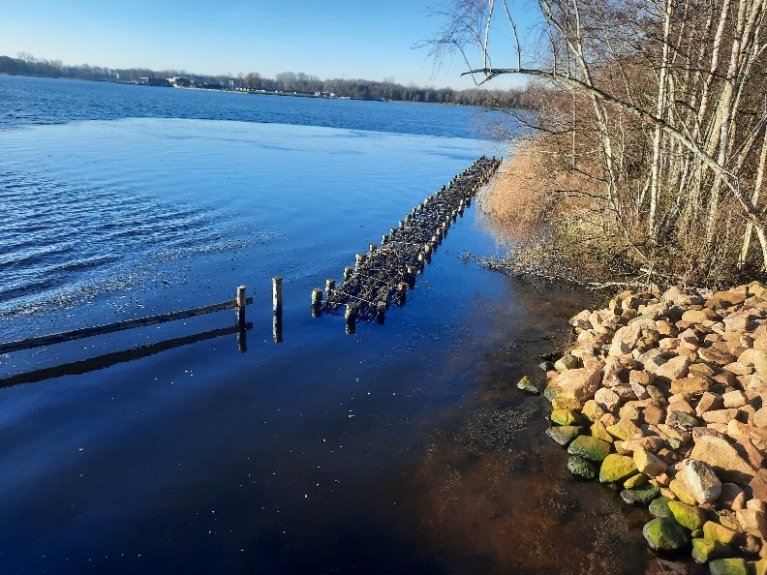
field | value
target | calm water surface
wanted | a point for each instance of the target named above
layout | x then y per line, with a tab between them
402	449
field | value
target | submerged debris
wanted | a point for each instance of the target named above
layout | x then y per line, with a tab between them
383	275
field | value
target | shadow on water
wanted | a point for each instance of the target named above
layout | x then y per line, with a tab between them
109	359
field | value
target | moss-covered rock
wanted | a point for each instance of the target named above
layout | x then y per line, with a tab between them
564	417
570	403
549	392
640	496
665	534
563	434
704	550
568	361
599	431
582	468
589	448
659	507
616	468
686	515
625	430
527	385
638	480
728	566
717	532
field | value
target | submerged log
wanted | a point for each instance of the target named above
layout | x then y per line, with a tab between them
379	276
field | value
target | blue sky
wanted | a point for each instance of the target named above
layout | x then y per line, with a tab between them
327	38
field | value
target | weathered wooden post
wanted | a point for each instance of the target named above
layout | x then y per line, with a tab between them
330	286
384	239
240	303
372	248
402	293
359	259
277	309
348	270
316	302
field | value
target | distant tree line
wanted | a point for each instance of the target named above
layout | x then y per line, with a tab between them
290	82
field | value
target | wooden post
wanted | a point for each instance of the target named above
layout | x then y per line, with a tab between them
277	293
359	259
384	239
277	325
372	248
240	298
330	286
348	270
401	293
316	296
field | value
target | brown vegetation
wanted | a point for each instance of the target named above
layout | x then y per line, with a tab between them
653	133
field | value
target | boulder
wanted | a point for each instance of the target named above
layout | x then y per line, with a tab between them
723	458
564	417
590	448
648	463
579	384
659	508
704	550
752	522
691	385
563	434
728	566
527	385
582	468
674	368
616	468
640	496
607	399
686	515
665	534
703	482
720	533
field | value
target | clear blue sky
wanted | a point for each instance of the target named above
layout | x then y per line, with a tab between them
327	38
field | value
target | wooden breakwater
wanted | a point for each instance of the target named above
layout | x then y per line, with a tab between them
382	275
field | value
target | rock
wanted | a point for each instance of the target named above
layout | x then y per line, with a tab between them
564	417
639	391
756	505
624	340
754	456
686	515
720	415
589	448
526	384
566	362
566	403
563	434
755	435
625	429
665	534
738	368
636	481
707	402
592	411
674	368
720	533
641	378
648	463
681	490
760	364
760	567
681	420
653	415
704	550
695	316
703	482
759	418
641	496
607	399
752	522
616	468
734	399
651	443
599	431
758	485
579	384
715	356
691	385
728	566
659	508
582	468
723	458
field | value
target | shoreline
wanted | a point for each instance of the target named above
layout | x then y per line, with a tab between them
664	398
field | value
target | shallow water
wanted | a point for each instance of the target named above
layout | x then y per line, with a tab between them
404	448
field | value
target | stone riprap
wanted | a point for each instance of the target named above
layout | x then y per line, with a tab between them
383	275
673	390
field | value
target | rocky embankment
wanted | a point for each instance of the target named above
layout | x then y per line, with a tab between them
665	399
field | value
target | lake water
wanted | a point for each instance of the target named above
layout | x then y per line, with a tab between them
404	448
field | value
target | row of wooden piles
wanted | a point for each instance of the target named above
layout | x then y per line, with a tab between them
383	275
